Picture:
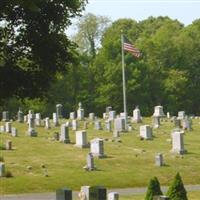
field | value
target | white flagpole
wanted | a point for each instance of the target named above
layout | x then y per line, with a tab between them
123	79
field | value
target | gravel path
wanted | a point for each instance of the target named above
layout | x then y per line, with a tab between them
121	191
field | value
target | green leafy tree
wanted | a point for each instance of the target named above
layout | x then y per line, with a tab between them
34	46
109	74
188	60
153	189
107	65
161	76
176	190
90	29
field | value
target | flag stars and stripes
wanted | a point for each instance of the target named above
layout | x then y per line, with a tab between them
130	48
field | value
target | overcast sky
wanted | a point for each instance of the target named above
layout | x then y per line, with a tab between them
185	11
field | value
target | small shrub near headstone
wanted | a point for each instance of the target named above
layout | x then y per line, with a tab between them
153	189
176	190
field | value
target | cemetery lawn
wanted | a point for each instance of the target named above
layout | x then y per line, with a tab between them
128	164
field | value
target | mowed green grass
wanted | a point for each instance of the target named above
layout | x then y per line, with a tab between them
128	164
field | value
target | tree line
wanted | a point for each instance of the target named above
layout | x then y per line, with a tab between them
40	66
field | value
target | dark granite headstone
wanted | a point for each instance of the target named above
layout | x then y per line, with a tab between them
64	194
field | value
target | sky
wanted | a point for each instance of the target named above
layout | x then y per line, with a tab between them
186	11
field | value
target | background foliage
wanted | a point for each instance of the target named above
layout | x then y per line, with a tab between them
45	65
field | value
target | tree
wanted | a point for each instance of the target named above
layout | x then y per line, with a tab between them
34	46
176	190
188	49
107	65
151	79
153	189
90	29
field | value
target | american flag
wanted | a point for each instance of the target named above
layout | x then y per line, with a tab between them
130	48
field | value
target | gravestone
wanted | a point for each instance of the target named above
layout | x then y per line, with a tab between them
8	145
64	134
94	192
74	125
122	115
97	147
97	125
30	115
158	111
2	129
31	127
159	160
116	133
14	132
5	116
8	126
105	115
146	132
85	125
112	115
47	123
108	109
178	142
90	162
181	114
69	123
2	169
64	194
38	119
187	123
119	124
108	125
130	128
80	112
59	110
177	122
25	118
168	115
91	116
81	139
56	136
72	115
55	119
156	122
20	116
113	196
137	115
